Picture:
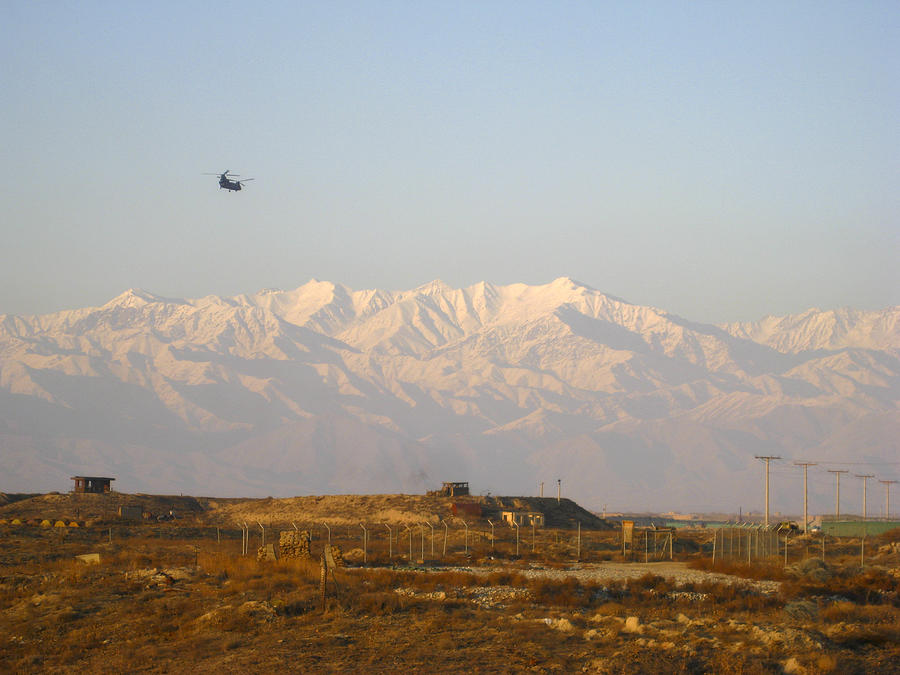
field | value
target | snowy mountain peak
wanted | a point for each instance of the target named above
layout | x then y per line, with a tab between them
569	284
435	287
325	388
136	297
815	329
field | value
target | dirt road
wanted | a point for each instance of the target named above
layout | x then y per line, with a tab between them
679	572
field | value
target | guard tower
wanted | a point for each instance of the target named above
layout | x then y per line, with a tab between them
451	490
92	484
455	489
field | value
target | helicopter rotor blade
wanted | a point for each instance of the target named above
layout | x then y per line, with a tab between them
246	180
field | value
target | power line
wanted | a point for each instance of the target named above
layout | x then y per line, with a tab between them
829	461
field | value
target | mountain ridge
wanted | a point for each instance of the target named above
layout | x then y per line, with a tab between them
485	381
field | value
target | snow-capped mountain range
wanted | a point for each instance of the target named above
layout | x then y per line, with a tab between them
324	389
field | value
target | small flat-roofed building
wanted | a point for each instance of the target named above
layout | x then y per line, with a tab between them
92	484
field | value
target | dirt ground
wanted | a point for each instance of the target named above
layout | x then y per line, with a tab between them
181	596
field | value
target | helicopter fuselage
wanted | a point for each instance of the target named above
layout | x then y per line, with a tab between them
229	184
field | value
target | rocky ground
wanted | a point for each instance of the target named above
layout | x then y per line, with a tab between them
166	600
179	596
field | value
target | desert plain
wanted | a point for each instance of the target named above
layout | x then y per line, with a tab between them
201	585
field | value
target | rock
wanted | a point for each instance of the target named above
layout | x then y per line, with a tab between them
633	625
261	611
811	564
792	667
266	552
681	618
355	555
564	625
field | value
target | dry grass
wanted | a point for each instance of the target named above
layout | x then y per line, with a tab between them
172	601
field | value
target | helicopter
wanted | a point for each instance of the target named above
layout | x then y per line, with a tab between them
226	182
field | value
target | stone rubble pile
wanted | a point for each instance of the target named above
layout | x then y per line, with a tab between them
294	544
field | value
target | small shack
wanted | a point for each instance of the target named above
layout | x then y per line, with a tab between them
92	484
522	518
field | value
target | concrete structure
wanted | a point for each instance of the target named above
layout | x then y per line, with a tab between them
523	518
92	484
131	512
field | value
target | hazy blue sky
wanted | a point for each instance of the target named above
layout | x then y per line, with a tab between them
719	160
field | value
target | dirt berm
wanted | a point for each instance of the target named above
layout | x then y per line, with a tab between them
334	509
399	509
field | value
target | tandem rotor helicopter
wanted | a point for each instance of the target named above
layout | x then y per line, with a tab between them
227	183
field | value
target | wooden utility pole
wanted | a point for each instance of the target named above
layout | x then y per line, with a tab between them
865	477
837	491
887	497
805	466
767	458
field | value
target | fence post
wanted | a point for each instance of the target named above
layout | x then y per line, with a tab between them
365	543
432	538
578	550
446	532
715	539
390	541
409	529
492	533
323	580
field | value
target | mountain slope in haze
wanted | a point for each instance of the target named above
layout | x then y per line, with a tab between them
326	389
